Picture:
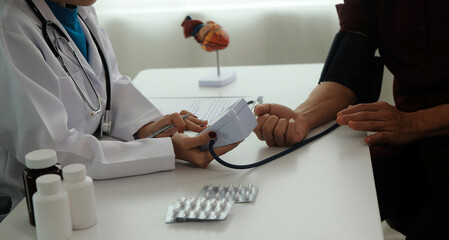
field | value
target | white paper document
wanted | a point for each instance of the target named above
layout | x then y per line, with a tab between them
206	108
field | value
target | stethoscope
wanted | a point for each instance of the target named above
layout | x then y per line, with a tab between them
106	123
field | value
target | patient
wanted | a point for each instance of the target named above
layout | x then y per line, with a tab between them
409	149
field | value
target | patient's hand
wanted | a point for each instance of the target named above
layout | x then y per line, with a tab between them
279	125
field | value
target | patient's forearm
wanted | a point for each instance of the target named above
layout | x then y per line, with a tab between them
432	121
324	102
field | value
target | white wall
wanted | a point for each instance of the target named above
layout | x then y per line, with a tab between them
278	35
260	34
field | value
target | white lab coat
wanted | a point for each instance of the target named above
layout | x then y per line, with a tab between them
40	107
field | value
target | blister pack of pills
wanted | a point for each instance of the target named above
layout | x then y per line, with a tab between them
197	210
240	194
213	203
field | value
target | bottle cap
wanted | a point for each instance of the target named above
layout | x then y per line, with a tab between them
74	173
42	158
48	183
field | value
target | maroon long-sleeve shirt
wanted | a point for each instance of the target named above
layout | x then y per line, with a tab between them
413	41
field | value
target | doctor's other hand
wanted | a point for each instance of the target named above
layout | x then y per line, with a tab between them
188	148
390	125
279	125
191	123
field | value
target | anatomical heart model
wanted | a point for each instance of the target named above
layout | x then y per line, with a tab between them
211	37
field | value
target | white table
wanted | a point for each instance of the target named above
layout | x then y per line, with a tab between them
322	191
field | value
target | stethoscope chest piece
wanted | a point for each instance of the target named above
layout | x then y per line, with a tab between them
106	124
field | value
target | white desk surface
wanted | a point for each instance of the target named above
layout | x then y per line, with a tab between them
322	191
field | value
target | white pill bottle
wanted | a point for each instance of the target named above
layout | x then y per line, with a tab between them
80	188
51	209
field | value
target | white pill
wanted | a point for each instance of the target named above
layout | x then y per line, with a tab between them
248	195
187	208
182	201
237	196
210	188
182	215
227	196
187	212
175	210
213	203
223	204
207	212
195	213
203	203
230	188
213	215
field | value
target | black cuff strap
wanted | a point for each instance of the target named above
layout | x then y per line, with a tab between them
351	62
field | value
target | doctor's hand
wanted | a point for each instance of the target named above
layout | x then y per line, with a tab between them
191	123
279	125
391	125
188	148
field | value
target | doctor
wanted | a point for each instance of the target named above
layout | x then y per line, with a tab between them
54	93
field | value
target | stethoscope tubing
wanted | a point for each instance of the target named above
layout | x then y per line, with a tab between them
274	157
105	66
45	24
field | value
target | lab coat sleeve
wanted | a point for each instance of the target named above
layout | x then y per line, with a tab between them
39	119
114	158
130	110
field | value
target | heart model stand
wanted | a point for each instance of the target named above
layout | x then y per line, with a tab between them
218	78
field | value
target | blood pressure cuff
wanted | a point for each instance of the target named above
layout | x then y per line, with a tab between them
351	62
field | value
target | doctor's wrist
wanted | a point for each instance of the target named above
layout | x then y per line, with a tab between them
143	132
136	136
